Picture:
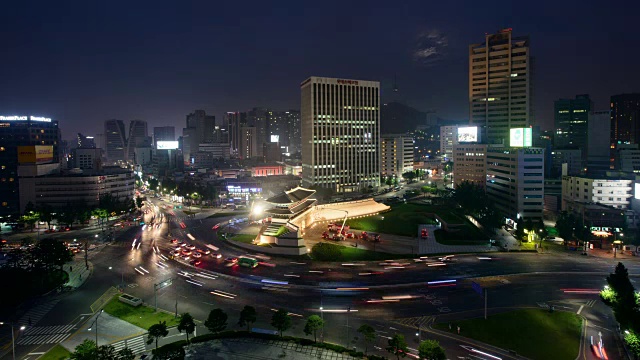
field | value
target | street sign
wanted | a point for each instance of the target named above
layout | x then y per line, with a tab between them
477	288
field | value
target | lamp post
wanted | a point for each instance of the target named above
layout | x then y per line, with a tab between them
96	323
13	338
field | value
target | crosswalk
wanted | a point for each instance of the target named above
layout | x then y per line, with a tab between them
45	335
415	322
34	315
591	303
136	344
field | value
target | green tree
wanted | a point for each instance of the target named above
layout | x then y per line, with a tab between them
470	196
519	229
86	350
217	320
126	354
187	324
389	181
46	214
153	184
281	320
409	176
398	346
565	224
248	316
52	253
30	215
66	215
107	352
368	333
157	331
139	202
314	323
431	350
528	226
83	212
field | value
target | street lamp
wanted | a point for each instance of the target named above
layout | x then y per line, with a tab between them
96	323
13	339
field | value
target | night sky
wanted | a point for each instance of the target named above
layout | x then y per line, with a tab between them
82	62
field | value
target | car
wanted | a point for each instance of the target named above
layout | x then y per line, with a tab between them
424	233
204	251
350	235
196	262
216	255
67	229
325	235
215	227
182	243
190	247
176	253
186	252
174	241
231	260
177	248
186	257
196	255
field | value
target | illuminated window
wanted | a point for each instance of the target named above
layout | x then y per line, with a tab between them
10	179
4	203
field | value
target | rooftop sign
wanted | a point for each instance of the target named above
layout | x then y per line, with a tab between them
24	118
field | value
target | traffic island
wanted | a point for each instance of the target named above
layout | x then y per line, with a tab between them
533	333
142	316
56	353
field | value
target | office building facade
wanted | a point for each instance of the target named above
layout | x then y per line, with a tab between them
515	181
500	88
115	139
138	137
448	138
598	145
15	132
248	143
340	122
470	164
86	142
625	119
616	193
571	122
164	133
396	152
86	158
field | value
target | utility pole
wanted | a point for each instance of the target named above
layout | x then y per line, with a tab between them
86	254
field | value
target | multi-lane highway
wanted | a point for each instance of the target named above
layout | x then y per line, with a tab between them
395	297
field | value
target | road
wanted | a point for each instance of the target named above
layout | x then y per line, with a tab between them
514	280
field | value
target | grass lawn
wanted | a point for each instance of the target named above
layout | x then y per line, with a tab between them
466	235
56	353
349	253
533	333
244	238
142	316
402	219
229	213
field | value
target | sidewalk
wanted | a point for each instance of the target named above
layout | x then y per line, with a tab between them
80	272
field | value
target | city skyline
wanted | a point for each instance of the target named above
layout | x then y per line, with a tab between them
89	74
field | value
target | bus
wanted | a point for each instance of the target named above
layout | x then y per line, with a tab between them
247	262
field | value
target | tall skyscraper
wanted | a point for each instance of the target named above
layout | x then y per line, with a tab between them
340	133
598	147
115	140
258	117
199	130
248	143
571	122
137	137
234	121
295	137
500	91
625	119
164	133
15	132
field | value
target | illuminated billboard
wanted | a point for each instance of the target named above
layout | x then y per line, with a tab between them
468	134
35	154
521	137
24	118
637	191
166	145
275	138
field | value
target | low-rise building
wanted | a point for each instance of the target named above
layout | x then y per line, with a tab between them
515	181
470	163
42	184
396	152
267	170
616	193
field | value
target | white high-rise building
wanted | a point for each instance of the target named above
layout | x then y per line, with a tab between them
515	181
448	138
500	91
340	133
612	192
397	155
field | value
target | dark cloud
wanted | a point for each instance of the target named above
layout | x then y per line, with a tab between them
430	47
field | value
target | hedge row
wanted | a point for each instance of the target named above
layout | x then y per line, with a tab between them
175	351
